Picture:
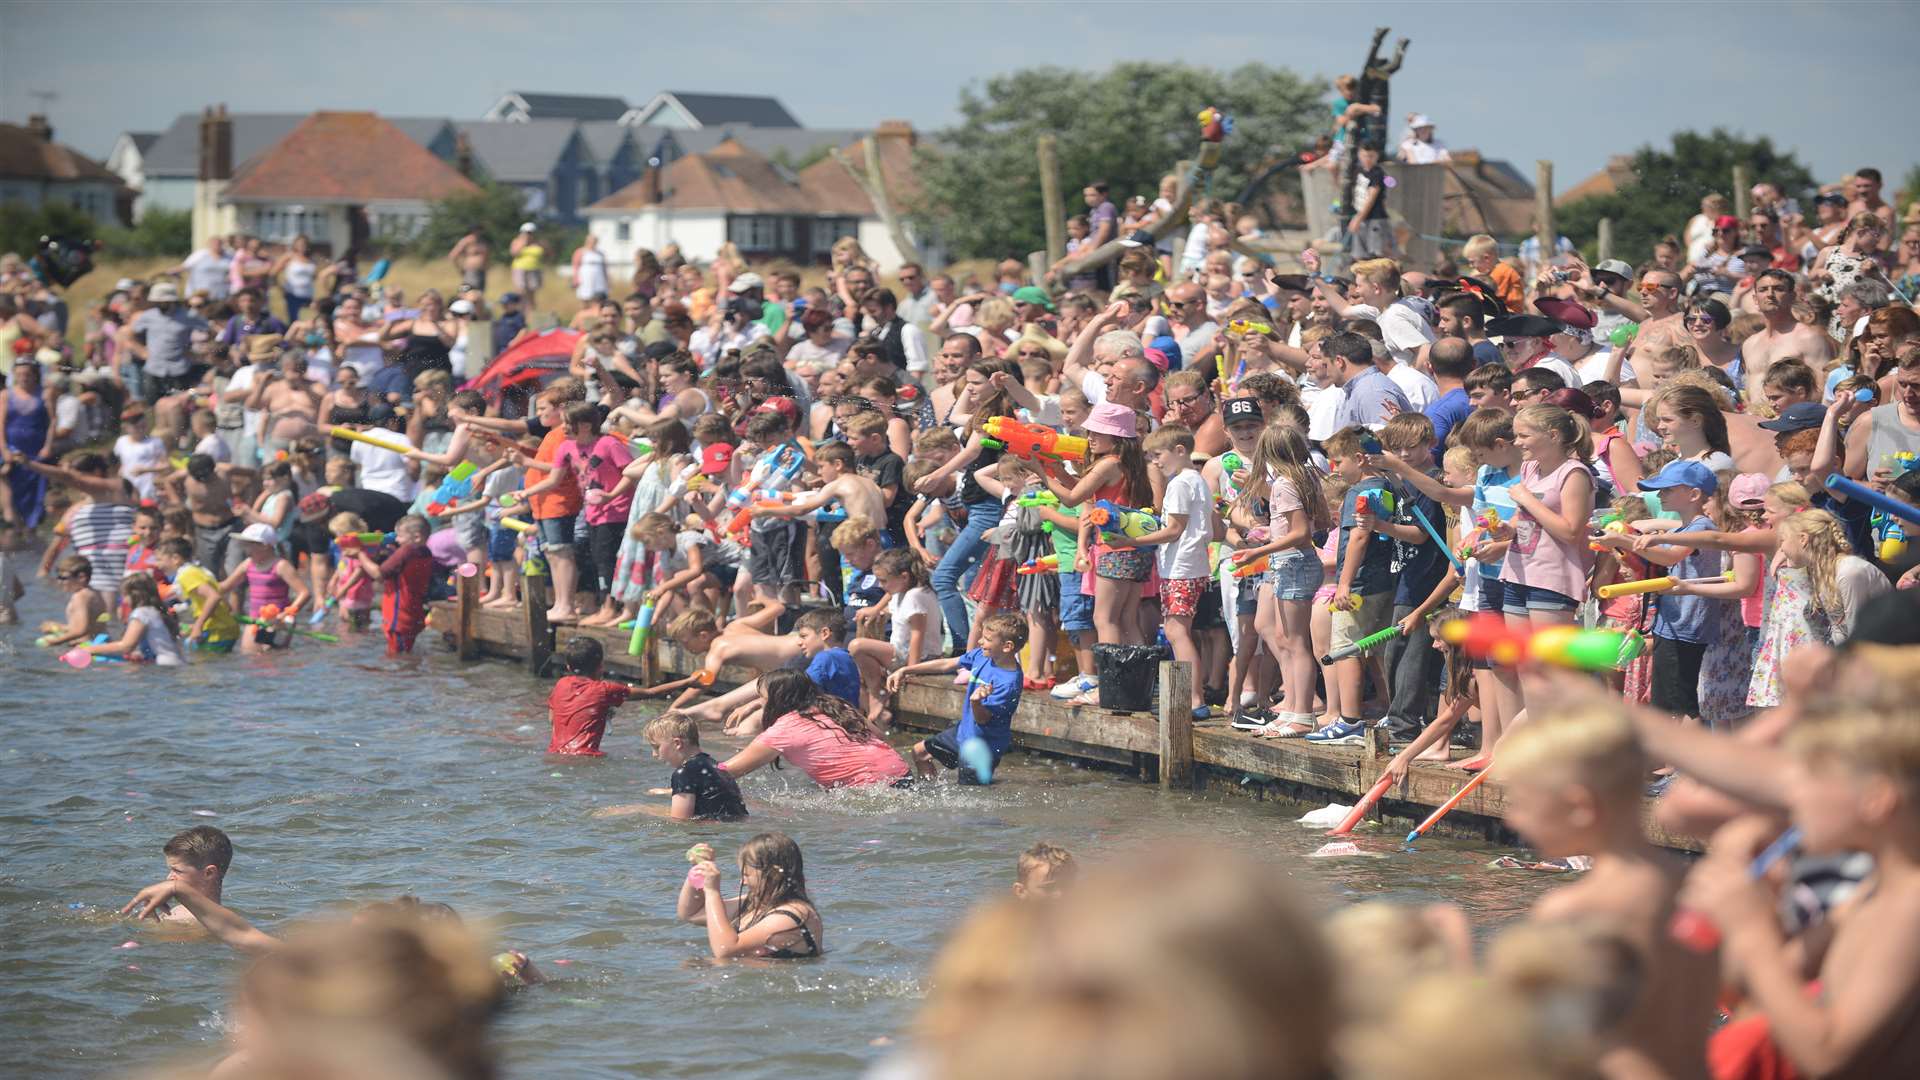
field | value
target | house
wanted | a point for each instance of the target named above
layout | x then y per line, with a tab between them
128	160
1483	195
549	161
36	171
340	178
520	106
733	193
680	109
1608	181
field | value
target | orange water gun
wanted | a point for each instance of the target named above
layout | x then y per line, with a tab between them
1257	566
1032	441
1046	564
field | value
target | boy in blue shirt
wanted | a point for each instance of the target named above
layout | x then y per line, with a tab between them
994	682
820	634
1683	624
1363	597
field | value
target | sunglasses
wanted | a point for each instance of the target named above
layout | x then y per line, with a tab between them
1699	317
1181	403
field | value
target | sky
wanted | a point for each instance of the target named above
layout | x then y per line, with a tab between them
1570	83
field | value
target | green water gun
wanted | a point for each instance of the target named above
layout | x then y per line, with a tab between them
1038	498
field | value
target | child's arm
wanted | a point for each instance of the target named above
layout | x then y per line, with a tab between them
296	585
1432	603
1102	473
454	454
1746	574
938	666
1747	541
1442	726
968	455
682	806
210	601
916	637
1407	532
231	585
129	641
1175	525
1431	488
220	921
1665	554
79	622
1569	524
752	756
1357	541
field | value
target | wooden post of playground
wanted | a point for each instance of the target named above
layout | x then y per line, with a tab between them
536	593
1176	725
1050	200
466	634
1742	197
1543	210
1604	245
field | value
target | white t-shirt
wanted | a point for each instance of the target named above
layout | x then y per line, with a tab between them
1593	368
214	447
1420	389
70	414
158	642
144	454
384	470
1186	557
207	272
918	600
1323	411
243	379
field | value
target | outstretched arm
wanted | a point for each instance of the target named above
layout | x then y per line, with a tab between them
220	921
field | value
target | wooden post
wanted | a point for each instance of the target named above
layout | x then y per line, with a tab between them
1604	245
1742	197
872	181
536	592
1543	229
1050	205
467	628
1176	725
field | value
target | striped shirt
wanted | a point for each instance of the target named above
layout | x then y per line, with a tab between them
101	531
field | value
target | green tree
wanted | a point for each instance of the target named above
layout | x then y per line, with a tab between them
1668	184
22	226
496	210
158	232
1128	126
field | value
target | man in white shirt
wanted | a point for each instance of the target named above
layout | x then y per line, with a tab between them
384	470
1420	147
206	270
917	299
1404	331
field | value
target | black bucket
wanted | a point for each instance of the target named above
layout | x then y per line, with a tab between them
1127	674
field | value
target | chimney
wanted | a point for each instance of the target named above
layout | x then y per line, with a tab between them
654	166
38	127
216	144
463	155
896	129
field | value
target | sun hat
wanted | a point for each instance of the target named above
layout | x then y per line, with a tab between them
260	533
165	292
1108	418
1748	491
1035	335
742	282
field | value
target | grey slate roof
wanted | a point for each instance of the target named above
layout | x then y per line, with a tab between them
712	109
604	139
572	106
795	143
517	152
177	151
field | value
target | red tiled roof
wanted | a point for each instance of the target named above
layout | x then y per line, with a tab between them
27	156
834	191
346	157
735	178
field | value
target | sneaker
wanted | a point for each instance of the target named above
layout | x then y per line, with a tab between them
1074	687
1343	733
1251	721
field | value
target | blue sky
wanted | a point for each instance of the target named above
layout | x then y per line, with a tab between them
1571	83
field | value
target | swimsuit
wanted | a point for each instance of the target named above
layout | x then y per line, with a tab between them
813	947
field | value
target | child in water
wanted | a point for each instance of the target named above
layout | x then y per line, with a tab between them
272	586
351	587
153	631
773	918
1043	871
86	608
994	683
405	575
698	787
582	702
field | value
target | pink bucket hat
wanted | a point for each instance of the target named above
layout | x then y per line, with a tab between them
1115	420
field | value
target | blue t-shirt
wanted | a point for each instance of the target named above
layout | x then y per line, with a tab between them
1693	619
991	719
1446	411
834	671
859	590
1375	572
1489	492
1856	520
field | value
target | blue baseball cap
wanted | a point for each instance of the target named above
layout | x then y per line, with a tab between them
1166	343
1683	474
1800	416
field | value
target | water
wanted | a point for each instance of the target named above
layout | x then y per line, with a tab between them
344	778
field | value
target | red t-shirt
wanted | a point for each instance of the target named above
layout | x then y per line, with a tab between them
405	576
579	708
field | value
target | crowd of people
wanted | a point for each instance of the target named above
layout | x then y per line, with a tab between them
1031	483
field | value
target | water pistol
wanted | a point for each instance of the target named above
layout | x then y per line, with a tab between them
1609	524
1378	503
1486	636
1248	326
1363	645
1215	125
364	539
1038	498
1257	566
1046	564
1654	584
642	626
1031	441
1886	504
1893	541
1115	519
455	487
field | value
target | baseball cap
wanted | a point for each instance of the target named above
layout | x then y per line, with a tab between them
461	307
508	298
1682	474
1800	416
526	226
1748	490
716	458
659	350
1033	294
742	282
1726	221
1168	345
1241	410
164	292
1419	121
1756	251
260	533
783	405
1616	267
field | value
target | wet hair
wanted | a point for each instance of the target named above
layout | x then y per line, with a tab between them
200	846
783	876
830	621
1011	625
75	566
692	621
1056	858
839	453
792	690
583	656
672	725
851	533
178	547
141	592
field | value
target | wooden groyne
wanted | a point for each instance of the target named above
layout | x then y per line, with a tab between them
1167	747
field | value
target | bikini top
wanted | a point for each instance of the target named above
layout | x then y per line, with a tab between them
806	935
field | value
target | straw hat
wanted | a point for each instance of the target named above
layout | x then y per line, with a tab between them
1034	335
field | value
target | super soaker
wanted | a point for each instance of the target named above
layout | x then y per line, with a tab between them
1114	519
457	485
1656	584
1031	441
1486	636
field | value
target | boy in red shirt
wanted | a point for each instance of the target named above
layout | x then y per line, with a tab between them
581	701
404	576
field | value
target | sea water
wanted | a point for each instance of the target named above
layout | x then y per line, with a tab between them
344	777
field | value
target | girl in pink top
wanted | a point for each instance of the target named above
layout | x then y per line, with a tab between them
1545	573
600	462
271	581
821	735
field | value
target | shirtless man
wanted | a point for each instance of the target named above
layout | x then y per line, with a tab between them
745	643
956	353
470	257
291	404
1661	303
858	495
210	499
1773	295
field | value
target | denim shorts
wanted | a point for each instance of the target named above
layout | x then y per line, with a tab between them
500	541
1294	574
556	533
1076	610
1519	599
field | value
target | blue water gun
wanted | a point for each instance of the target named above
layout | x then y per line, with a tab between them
456	487
1115	519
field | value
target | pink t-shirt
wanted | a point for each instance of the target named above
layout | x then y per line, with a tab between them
830	756
1535	558
599	470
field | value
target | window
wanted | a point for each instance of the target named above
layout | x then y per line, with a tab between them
755	232
825	231
623	230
